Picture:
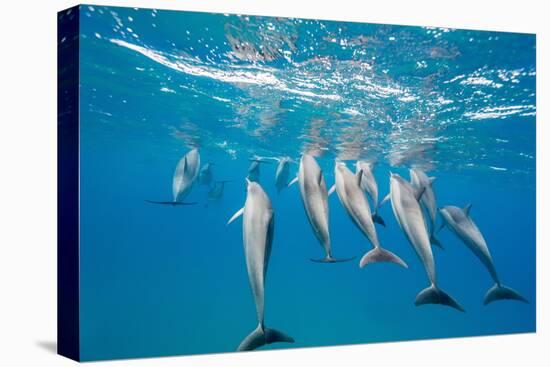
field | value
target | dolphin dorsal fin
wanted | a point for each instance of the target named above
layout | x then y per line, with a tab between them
466	209
359	176
320	178
432	180
419	192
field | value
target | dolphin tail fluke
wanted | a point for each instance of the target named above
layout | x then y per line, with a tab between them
434	295
500	292
434	241
262	336
378	219
171	203
379	255
330	259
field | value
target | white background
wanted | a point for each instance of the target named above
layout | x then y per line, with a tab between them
28	182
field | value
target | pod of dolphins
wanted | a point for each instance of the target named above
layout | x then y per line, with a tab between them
413	204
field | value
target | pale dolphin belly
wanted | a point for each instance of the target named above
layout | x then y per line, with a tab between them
258	235
352	197
410	218
408	213
463	226
258	228
315	199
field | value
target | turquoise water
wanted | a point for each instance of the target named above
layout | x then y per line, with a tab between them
160	280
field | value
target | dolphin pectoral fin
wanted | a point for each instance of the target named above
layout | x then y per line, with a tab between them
260	337
386	199
171	203
441	227
331	190
330	259
358	177
379	255
500	292
434	295
434	241
432	180
235	216
294	180
419	192
378	219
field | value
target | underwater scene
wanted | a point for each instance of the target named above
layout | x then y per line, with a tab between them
253	183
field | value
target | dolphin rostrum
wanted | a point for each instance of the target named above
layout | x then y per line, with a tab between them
352	197
314	194
185	176
369	185
421	179
406	208
258	226
462	225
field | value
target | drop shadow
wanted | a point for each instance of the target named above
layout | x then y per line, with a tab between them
48	345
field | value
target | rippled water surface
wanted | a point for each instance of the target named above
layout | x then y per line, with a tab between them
458	104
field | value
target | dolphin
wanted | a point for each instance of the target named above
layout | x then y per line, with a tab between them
258	226
462	225
254	169
205	174
216	192
406	208
282	173
421	179
185	176
350	193
369	185
314	194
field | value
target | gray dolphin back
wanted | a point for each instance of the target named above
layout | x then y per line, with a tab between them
352	197
406	207
462	225
185	174
314	195
420	179
258	229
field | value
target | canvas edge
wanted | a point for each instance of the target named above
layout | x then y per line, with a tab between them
68	264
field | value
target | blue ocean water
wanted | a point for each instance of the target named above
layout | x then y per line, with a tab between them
159	280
